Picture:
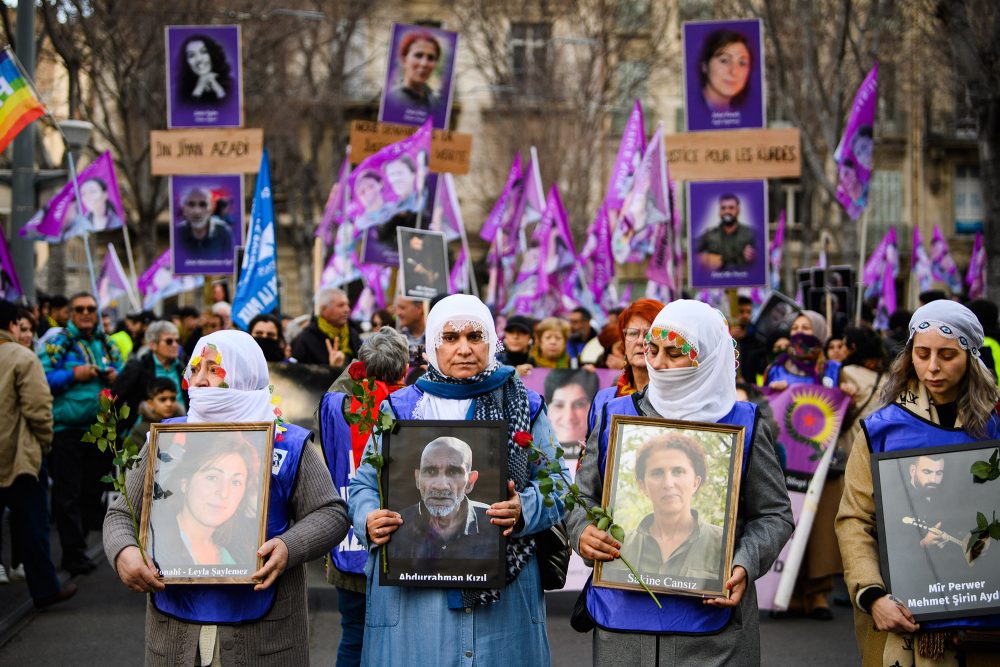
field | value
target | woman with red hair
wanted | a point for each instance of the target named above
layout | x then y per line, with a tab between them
633	323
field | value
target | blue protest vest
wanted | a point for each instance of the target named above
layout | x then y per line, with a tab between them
630	611
831	375
601	399
335	438
239	603
894	428
404	402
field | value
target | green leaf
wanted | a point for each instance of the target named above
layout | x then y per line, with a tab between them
559	452
598	510
545	486
603	523
995	530
981	471
548	502
101	418
543	474
570	503
981	521
105	403
617	532
532	456
995	458
555	467
102	444
124	412
574	488
89	437
108	479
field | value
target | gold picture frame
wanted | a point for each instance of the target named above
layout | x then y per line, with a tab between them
656	470
205	500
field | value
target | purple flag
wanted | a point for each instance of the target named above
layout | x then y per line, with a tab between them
336	203
385	185
10	286
496	294
158	282
113	285
875	266
942	265
659	206
342	267
102	204
630	150
809	418
596	259
531	285
975	278
447	216
775	252
643	210
458	280
504	208
376	279
854	153
920	263
528	209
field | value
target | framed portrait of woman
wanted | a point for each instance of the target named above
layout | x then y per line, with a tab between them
204	509
418	79
204	76
673	487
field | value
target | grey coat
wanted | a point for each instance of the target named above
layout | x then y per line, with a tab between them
282	636
763	525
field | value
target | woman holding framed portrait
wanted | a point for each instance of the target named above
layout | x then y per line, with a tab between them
199	624
442	626
691	361
938	393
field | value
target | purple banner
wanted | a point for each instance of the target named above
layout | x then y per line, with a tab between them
727	232
598	263
447	217
418	81
102	204
342	266
887	296
724	75
875	266
10	286
530	207
538	290
158	282
645	207
503	210
113	285
204	76
372	298
809	418
206	223
389	190
661	268
975	277
942	265
854	153
776	250
568	394
920	263
496	293
458	280
630	150
336	204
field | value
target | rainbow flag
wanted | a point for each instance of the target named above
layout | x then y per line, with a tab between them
18	104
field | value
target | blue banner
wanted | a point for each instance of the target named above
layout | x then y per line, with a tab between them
257	290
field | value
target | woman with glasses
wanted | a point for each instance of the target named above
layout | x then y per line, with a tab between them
157	359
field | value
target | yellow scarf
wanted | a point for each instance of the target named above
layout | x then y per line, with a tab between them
341	334
561	362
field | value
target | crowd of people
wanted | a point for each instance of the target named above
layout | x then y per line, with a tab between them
934	370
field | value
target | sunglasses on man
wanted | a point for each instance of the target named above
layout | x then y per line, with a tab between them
84	309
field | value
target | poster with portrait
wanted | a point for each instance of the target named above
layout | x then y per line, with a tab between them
672	478
727	233
205	500
442	476
418	79
204	76
933	556
724	75
206	223
774	317
423	261
568	394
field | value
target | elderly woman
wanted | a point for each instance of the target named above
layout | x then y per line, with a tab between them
441	626
236	624
938	392
551	338
691	361
633	323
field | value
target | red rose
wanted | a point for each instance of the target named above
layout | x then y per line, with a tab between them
523	439
106	393
357	371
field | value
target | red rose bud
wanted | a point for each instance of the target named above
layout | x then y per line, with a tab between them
357	371
106	393
523	439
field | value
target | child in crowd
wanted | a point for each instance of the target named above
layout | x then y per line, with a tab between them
161	403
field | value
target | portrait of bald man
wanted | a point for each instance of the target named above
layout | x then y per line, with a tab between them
445	523
201	235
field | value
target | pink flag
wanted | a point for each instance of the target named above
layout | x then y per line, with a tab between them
661	262
854	153
113	285
942	265
597	263
503	210
775	252
975	278
60	219
536	291
458	280
920	263
336	203
887	299
496	294
158	282
376	280
10	286
447	216
630	150
529	209
645	206
342	266
873	270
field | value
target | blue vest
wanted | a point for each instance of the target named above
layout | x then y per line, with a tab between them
239	603
831	375
404	402
894	428
335	437
632	611
601	398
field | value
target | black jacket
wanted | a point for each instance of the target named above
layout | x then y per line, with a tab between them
132	383
309	347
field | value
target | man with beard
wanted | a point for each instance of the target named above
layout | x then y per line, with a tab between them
202	235
445	524
728	245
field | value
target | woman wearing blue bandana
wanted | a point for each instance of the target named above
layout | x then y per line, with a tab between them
441	626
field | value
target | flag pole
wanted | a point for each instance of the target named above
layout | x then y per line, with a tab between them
862	251
129	257
86	235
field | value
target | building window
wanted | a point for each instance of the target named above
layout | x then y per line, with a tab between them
885	204
968	200
529	57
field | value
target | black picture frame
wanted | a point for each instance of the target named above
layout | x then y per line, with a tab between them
936	581
424	269
777	314
414	556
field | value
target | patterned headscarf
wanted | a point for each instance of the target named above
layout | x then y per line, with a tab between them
951	320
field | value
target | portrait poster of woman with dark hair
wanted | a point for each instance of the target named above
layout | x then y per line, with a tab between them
723	75
204	76
418	79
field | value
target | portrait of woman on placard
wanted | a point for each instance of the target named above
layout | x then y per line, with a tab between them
100	210
724	69
212	494
205	73
418	57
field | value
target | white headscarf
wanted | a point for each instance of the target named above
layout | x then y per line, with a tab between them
951	320
248	395
706	391
459	310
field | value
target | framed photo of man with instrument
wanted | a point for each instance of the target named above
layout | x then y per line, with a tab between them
423	262
931	512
